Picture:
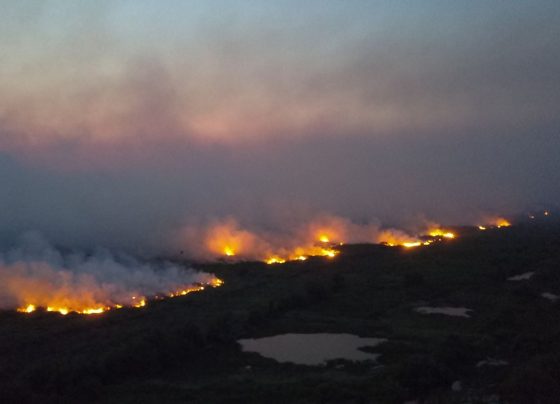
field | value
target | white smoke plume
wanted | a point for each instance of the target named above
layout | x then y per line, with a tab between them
227	237
34	273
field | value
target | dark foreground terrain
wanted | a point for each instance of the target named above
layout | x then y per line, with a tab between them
185	350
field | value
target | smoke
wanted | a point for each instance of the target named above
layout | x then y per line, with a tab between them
227	239
152	128
35	273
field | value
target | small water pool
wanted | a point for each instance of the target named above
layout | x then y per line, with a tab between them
312	349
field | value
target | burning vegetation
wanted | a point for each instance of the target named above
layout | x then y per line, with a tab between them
41	278
66	305
227	241
36	276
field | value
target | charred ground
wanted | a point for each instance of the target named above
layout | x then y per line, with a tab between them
184	349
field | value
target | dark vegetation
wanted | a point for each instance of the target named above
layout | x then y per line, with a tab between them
185	350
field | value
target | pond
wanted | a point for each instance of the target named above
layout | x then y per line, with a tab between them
448	311
521	277
312	349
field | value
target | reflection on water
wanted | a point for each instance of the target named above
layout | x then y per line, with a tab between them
312	349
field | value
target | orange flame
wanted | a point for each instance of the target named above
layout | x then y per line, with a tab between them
394	238
135	302
438	232
501	222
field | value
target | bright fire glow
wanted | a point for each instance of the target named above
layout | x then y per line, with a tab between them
320	237
140	303
501	222
441	233
30	308
62	310
275	260
328	253
412	244
394	238
99	310
135	302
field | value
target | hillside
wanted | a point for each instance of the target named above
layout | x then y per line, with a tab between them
184	349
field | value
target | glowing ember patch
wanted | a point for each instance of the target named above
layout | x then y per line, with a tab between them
324	239
411	244
136	302
30	308
441	233
93	311
217	282
62	310
329	253
481	228
275	260
502	223
229	251
141	303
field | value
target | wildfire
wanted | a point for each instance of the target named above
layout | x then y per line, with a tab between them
496	222
30	308
329	253
412	244
62	310
302	254
275	260
320	237
228	251
501	222
441	233
139	303
135	302
395	238
94	311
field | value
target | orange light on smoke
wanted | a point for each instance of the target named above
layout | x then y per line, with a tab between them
501	222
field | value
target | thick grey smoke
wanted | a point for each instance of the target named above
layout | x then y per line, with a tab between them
394	181
35	273
121	126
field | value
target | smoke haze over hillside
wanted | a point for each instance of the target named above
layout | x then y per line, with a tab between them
123	123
